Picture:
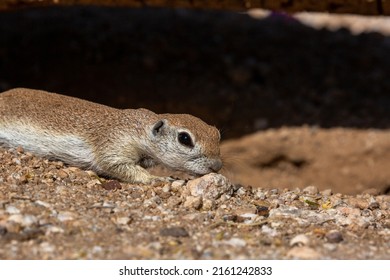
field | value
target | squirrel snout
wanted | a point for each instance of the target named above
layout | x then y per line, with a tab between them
216	165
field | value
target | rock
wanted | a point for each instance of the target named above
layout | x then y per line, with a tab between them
330	247
93	183
241	191
305	253
54	229
47	247
174	231
269	231
300	240
43	203
210	186
246	210
193	202
373	204
360	203
208	204
23	220
312	190
348	211
173	201
235	242
178	183
97	249
334	236
108	204
62	174
262	211
66	216
10	209
230	218
123	221
246	218
261	194
166	188
111	185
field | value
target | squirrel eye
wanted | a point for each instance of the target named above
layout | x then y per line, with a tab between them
185	139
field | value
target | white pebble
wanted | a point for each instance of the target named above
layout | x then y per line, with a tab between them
24	220
123	220
236	242
299	240
47	247
10	209
66	216
54	229
43	203
178	183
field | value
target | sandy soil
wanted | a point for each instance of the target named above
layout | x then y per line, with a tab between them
51	211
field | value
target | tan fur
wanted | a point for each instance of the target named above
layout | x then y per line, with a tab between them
113	142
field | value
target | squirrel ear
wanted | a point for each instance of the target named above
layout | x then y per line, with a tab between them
158	127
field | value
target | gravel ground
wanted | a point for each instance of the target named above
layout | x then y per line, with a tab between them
52	211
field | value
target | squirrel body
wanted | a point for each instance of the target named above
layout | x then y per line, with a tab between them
112	142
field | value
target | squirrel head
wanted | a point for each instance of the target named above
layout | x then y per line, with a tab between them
184	142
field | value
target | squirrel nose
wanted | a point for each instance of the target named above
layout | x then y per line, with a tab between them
216	165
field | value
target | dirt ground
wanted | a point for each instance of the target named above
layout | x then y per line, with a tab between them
51	211
304	113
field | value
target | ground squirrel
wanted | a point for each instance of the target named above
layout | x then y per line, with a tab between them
112	142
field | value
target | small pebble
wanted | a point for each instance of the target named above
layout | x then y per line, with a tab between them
174	231
97	249
111	185
330	247
300	240
261	195
93	183
373	204
178	183
193	202
246	210
210	186
166	189
43	203
66	216
229	218
23	220
209	204
334	237
235	242
241	191
62	174
123	220
360	203
10	209
312	190
54	229
47	247
305	253
262	211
